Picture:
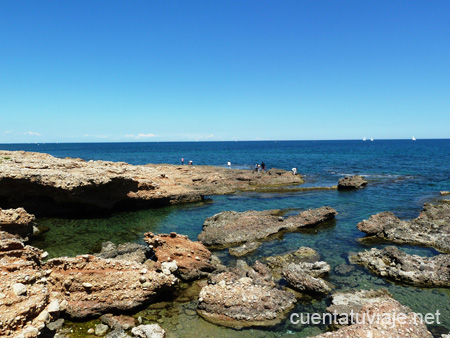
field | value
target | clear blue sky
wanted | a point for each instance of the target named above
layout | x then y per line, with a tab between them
83	71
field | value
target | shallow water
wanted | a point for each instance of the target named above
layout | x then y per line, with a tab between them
402	176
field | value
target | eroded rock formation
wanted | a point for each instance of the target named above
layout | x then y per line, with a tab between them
16	221
230	228
244	297
397	265
44	184
351	182
431	228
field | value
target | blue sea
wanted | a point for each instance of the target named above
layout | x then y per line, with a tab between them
402	175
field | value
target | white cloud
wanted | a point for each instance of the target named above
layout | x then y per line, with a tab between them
32	133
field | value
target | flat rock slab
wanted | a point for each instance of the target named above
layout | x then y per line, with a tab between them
399	266
44	184
231	228
431	228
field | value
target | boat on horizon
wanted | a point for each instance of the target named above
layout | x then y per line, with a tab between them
371	139
364	139
413	138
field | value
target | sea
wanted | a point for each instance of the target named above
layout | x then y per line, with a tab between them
402	175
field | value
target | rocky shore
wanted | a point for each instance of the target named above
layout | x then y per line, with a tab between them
431	228
230	228
45	185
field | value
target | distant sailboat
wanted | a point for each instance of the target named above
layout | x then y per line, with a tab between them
413	138
364	139
371	138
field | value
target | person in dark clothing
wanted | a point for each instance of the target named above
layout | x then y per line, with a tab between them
263	167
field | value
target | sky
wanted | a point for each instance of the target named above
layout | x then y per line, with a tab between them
127	71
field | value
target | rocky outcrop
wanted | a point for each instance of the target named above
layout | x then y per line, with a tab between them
193	259
244	297
126	251
44	184
375	314
305	277
16	221
230	228
302	270
351	182
431	228
92	286
399	266
445	193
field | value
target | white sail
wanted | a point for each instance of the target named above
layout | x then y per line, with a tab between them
413	138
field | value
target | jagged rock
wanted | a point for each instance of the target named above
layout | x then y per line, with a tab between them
193	259
444	193
101	329
244	297
351	182
92	286
56	325
230	228
16	221
127	251
244	249
305	277
117	333
379	306
278	263
431	228
397	265
148	331
45	185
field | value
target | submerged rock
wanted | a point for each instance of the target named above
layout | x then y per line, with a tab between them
244	297
16	221
244	249
45	185
305	277
375	314
431	228
193	259
351	182
127	251
230	228
397	265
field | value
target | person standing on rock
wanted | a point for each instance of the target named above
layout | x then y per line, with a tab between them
263	167
229	164
182	160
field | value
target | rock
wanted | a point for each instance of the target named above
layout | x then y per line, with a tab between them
20	289
24	294
397	265
46	185
193	259
92	286
351	182
304	277
117	333
56	325
230	228
16	221
344	269
431	228
444	193
302	255
127	251
244	297
244	249
379	306
148	331
101	329
118	322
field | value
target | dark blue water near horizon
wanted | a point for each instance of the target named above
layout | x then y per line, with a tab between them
402	175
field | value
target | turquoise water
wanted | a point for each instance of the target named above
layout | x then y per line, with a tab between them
402	176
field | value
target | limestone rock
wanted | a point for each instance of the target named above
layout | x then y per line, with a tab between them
230	228
193	259
148	331
244	249
431	228
126	251
305	277
16	221
351	182
392	263
244	297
